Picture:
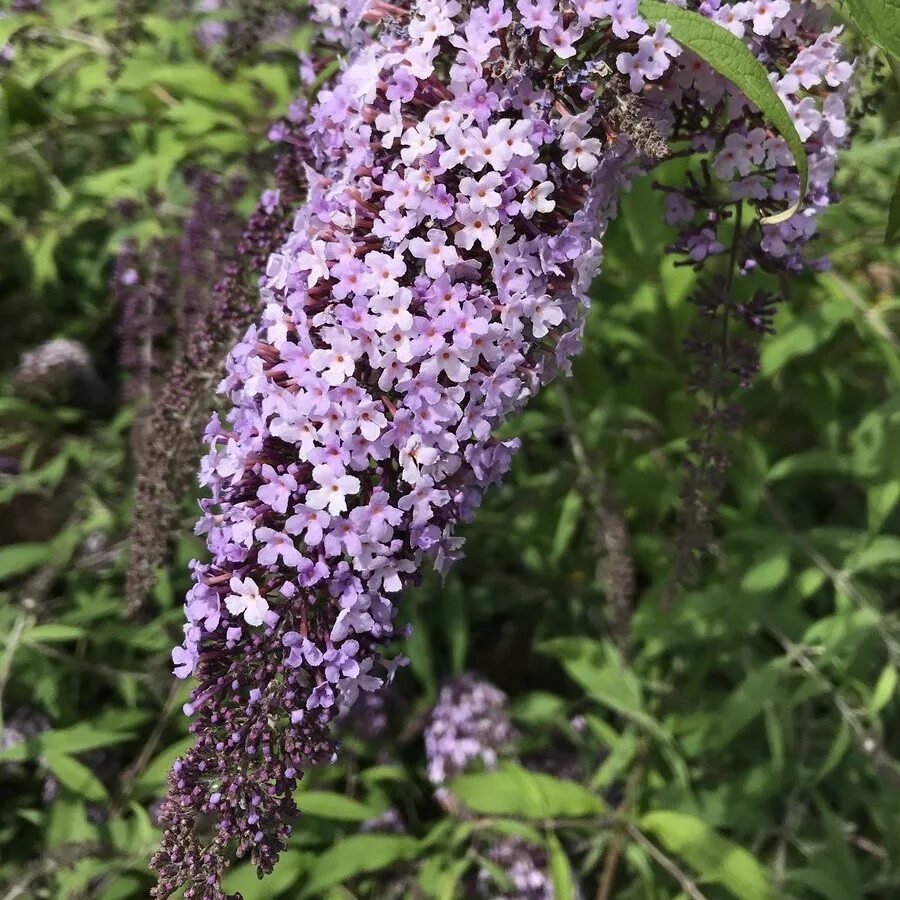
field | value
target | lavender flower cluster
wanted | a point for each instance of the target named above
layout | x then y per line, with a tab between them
470	723
525	867
470	726
463	166
753	164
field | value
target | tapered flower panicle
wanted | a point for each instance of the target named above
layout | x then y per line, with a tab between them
463	167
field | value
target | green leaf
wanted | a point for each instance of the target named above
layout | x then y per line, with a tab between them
879	20
195	118
839	746
874	440
9	26
884	690
357	855
712	856
810	462
560	870
832	861
188	79
768	571
68	823
598	668
78	738
731	58
456	625
882	553
448	883
154	775
893	225
143	832
513	828
329	805
514	791
880	502
51	633
743	706
568	521
822	882
244	879
122	887
803	335
18	559
538	709
75	776
420	652
622	752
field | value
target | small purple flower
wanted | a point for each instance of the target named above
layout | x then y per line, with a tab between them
277	490
277	545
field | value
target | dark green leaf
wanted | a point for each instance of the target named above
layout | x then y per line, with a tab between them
744	705
893	225
598	668
567	523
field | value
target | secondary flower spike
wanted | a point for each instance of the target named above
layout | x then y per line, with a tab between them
464	164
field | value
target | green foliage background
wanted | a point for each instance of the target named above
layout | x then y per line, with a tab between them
738	742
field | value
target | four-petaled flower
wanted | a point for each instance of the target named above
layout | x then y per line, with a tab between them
333	490
246	600
435	252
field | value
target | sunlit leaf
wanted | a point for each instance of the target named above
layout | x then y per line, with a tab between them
560	870
75	776
329	805
713	857
21	558
356	855
514	791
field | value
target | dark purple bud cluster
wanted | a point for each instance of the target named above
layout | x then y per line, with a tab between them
144	288
211	321
255	738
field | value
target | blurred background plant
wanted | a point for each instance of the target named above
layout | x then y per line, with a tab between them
564	727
